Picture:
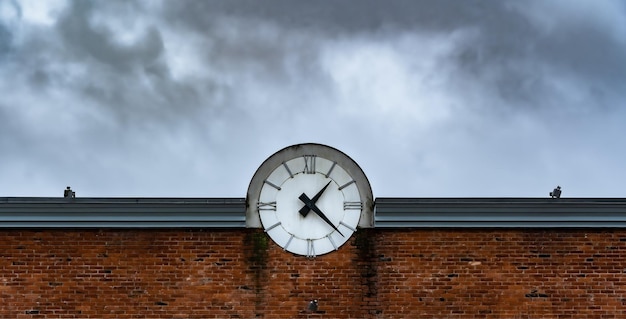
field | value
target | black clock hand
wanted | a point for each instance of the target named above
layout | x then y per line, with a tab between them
323	216
305	209
309	204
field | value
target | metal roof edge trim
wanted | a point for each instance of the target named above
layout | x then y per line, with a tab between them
54	212
500	212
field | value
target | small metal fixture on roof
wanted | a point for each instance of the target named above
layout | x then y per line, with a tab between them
69	193
556	193
312	305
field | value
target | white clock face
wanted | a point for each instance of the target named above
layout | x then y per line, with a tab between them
309	205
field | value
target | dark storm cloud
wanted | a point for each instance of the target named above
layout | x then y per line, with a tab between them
510	51
132	79
129	81
86	41
336	17
187	97
6	38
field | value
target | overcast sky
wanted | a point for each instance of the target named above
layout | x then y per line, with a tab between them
431	98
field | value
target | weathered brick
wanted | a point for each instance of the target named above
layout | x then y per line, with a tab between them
239	273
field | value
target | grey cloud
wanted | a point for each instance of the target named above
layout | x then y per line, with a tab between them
257	80
132	81
81	37
6	34
6	38
513	53
338	16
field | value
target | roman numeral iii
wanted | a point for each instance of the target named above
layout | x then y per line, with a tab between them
352	205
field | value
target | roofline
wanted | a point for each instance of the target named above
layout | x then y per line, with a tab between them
390	212
122	212
500	212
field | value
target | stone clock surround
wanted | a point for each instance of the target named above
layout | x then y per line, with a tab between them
294	151
304	194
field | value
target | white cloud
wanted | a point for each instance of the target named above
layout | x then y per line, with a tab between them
401	78
39	12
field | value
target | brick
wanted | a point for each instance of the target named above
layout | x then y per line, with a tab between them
240	273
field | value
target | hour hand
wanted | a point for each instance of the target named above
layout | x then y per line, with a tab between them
305	199
305	209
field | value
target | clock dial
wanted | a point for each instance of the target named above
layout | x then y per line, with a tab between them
308	203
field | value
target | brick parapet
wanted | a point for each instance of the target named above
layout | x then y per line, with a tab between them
240	273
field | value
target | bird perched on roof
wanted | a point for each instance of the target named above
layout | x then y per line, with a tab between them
312	306
556	193
69	193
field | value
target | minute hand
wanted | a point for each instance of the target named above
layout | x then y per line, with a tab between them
305	209
309	203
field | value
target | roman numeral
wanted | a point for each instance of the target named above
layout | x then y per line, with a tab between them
310	248
268	206
352	205
309	164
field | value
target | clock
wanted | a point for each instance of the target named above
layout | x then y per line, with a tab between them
310	199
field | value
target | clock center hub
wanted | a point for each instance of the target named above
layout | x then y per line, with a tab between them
310	226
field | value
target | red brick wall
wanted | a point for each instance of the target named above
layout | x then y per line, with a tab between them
239	273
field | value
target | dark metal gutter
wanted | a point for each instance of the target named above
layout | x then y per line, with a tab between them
390	212
122	212
500	212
